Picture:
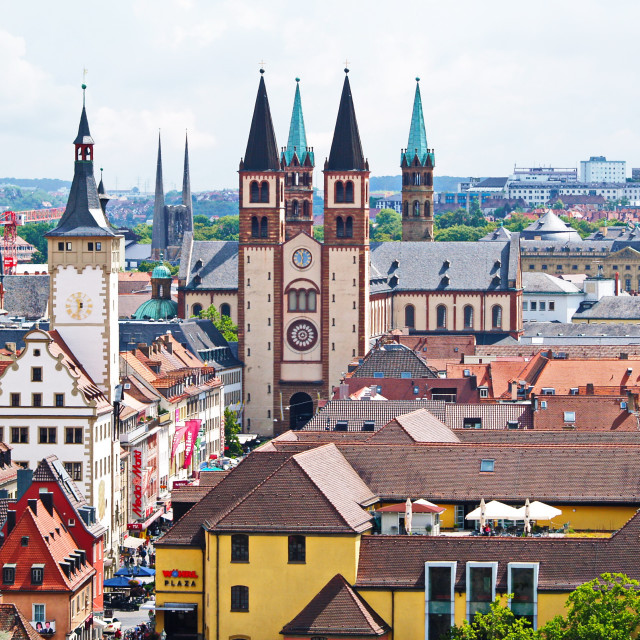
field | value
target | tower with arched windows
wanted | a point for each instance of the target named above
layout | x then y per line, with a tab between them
417	162
346	241
298	162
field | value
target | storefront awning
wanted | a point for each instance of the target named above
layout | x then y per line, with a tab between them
168	515
132	542
152	519
177	606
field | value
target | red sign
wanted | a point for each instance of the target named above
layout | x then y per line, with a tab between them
180	483
136	470
134	526
174	573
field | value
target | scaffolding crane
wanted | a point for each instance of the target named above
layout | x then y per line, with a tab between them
11	220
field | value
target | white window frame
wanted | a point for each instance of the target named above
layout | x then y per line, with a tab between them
453	566
479	565
536	570
569	417
44	611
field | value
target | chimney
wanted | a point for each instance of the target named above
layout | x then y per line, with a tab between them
11	521
589	388
168	345
33	505
374	390
47	501
25	477
617	283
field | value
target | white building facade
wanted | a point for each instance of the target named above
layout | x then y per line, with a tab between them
599	169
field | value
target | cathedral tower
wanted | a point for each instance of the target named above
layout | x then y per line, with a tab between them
85	255
345	279
298	163
262	227
417	162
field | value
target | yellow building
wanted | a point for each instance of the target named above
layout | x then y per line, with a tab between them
282	547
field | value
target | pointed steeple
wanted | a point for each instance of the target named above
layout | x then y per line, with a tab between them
159	230
346	148
83	215
262	148
297	142
103	195
417	144
186	186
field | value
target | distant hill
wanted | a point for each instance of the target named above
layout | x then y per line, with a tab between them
394	183
46	184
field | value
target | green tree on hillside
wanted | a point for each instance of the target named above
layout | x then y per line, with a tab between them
388	226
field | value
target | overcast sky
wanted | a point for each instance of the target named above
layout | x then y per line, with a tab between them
546	82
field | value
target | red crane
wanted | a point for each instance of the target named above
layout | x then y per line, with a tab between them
11	220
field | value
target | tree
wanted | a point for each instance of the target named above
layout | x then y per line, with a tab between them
461	233
232	446
388	226
143	231
607	607
34	232
147	266
558	205
499	624
223	324
318	232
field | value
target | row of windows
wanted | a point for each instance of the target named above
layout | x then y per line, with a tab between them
441	316
522	583
415	208
302	300
46	435
225	309
294	208
297	549
344	228
538	305
343	191
259	228
259	192
416	179
36	399
91	246
9	570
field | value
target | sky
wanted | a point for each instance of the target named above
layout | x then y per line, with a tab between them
544	82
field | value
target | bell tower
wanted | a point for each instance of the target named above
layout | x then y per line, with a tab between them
262	231
417	162
345	276
85	255
298	163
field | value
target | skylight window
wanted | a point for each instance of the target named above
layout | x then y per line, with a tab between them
487	465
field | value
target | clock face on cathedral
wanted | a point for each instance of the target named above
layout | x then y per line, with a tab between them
302	335
302	258
79	305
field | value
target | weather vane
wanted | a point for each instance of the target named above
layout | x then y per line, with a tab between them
262	63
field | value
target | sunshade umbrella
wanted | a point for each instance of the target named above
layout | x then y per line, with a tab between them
495	510
540	511
117	582
137	571
483	514
527	516
408	515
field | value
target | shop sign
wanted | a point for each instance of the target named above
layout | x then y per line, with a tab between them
136	470
134	526
176	578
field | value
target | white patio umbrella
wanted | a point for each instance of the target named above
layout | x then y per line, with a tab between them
408	515
539	511
527	516
495	510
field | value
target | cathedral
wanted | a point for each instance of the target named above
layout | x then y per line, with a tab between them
306	308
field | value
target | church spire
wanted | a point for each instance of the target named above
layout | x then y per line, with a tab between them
417	145
297	142
186	187
346	148
83	214
159	230
262	148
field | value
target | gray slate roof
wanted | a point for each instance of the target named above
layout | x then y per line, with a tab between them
392	363
199	336
613	308
500	233
219	268
558	245
447	266
538	282
137	251
491	183
550	227
27	296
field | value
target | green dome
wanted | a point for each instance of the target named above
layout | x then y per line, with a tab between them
157	309
160	272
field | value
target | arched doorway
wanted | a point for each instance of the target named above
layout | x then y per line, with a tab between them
300	410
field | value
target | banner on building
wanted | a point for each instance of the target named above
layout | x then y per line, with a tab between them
177	438
191	433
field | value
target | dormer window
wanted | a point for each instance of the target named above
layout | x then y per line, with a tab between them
37	573
8	574
198	264
446	264
341	425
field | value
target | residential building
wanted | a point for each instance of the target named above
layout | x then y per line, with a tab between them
544	174
599	169
546	298
44	572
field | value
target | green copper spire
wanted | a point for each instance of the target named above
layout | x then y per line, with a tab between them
417	134
297	142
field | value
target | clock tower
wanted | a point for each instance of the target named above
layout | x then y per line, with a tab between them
85	255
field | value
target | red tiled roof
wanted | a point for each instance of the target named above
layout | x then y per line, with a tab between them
49	543
337	610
